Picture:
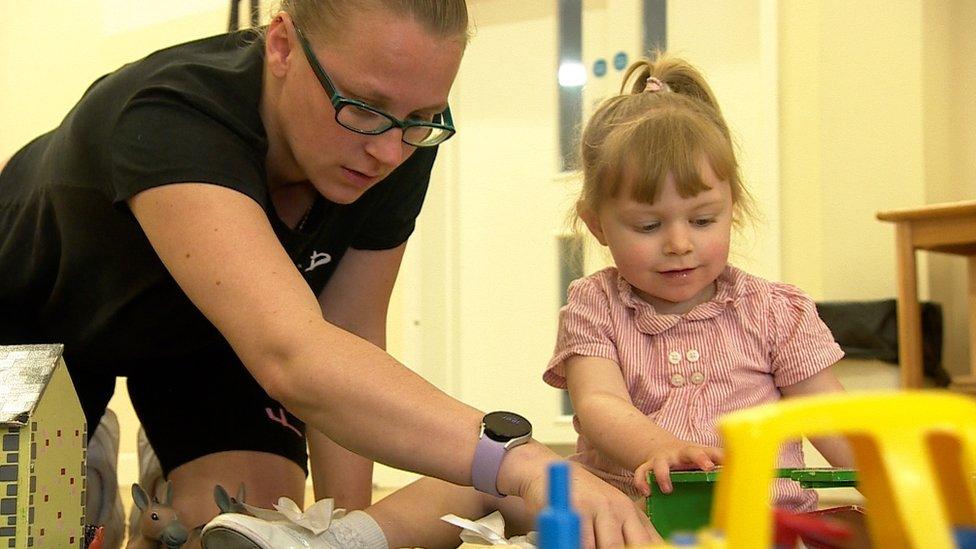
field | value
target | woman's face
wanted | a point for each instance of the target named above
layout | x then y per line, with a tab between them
387	61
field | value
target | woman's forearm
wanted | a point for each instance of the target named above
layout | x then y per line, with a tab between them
422	430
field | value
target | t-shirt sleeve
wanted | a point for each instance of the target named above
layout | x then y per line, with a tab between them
585	329
801	345
160	140
394	217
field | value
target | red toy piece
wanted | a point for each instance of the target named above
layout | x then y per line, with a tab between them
97	539
816	532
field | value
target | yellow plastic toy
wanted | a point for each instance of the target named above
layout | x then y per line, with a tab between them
915	452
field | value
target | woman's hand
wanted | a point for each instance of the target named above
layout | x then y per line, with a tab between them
677	454
608	518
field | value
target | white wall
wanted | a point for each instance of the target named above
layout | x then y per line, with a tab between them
852	143
949	69
877	114
734	44
52	50
508	209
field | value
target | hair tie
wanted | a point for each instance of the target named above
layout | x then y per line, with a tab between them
655	85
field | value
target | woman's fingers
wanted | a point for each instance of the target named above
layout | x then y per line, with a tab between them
608	518
587	535
640	531
609	530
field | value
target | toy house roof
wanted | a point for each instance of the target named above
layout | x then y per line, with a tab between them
25	371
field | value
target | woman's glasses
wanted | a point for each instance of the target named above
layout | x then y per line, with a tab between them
362	118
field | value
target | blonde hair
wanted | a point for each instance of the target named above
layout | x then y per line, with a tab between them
635	140
443	18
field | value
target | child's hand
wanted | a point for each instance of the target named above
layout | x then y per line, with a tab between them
677	455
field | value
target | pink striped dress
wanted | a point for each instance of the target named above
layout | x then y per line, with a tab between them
685	371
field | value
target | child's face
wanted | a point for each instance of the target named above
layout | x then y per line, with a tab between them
671	251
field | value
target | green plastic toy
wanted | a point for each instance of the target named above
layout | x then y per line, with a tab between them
688	507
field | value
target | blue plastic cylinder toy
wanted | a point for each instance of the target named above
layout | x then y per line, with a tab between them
965	537
558	523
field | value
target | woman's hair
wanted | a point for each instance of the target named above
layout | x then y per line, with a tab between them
325	18
663	126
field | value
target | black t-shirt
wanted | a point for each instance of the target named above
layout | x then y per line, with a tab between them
75	266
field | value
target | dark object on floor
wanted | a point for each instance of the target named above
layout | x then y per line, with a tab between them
869	329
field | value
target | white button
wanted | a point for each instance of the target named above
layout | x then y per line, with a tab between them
693	355
698	378
677	380
674	357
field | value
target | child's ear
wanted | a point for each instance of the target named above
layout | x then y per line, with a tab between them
592	221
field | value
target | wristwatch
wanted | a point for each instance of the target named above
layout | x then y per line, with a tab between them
500	432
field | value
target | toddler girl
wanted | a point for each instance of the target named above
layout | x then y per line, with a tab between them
656	348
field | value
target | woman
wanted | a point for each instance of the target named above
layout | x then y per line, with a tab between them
157	231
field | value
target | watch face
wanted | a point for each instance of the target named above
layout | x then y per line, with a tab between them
504	426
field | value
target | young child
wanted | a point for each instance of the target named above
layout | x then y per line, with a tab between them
656	348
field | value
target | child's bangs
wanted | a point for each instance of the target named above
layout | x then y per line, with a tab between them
667	143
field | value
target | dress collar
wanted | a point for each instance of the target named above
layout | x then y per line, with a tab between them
648	321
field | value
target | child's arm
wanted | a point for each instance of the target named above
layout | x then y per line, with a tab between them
617	428
835	449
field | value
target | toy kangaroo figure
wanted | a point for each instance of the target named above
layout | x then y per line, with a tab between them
227	504
159	527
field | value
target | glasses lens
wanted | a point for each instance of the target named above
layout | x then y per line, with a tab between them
362	120
426	136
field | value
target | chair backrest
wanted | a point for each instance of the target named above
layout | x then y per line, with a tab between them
915	452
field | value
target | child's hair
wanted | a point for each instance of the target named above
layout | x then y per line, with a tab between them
668	123
442	18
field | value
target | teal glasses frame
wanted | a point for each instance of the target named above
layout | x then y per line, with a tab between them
365	119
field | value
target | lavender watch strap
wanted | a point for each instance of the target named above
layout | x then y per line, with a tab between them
484	469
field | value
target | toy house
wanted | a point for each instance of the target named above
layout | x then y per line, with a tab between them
42	466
